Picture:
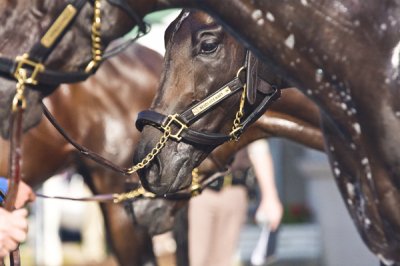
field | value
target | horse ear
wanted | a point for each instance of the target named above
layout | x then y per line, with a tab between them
254	82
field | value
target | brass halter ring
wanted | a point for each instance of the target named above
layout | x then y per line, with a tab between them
243	68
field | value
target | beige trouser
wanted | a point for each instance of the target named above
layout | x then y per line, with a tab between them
215	221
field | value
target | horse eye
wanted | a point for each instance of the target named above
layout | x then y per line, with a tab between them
208	47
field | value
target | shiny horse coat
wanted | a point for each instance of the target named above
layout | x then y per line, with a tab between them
345	56
304	42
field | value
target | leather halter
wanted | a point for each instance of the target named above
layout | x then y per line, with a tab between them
186	118
32	62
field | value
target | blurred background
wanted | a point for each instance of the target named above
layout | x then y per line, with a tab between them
316	227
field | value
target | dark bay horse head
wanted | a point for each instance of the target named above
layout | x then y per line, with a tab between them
199	51
24	28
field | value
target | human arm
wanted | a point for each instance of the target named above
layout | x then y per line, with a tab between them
270	207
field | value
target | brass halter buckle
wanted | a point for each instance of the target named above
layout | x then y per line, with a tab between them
23	60
167	126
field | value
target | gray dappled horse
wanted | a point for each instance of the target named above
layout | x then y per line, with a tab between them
332	80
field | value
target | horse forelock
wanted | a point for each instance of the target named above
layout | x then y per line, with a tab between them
173	28
183	16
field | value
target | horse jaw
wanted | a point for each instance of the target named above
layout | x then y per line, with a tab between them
156	215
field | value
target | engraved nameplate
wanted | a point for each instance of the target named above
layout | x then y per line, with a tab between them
58	26
211	101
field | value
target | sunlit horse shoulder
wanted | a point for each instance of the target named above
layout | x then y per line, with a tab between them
98	114
360	139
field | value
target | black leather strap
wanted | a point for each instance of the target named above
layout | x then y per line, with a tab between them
46	77
39	53
261	108
149	117
157	120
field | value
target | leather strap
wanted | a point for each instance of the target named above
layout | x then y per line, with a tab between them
14	170
188	117
46	77
157	120
39	52
83	150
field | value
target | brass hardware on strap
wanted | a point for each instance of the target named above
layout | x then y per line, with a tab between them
167	125
239	114
58	26
228	180
97	53
205	105
139	192
21	73
243	68
195	188
19	101
149	157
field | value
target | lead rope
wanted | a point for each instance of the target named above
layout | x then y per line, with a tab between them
15	162
194	190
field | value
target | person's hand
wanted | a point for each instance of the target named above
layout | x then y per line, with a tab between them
13	229
25	194
270	213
